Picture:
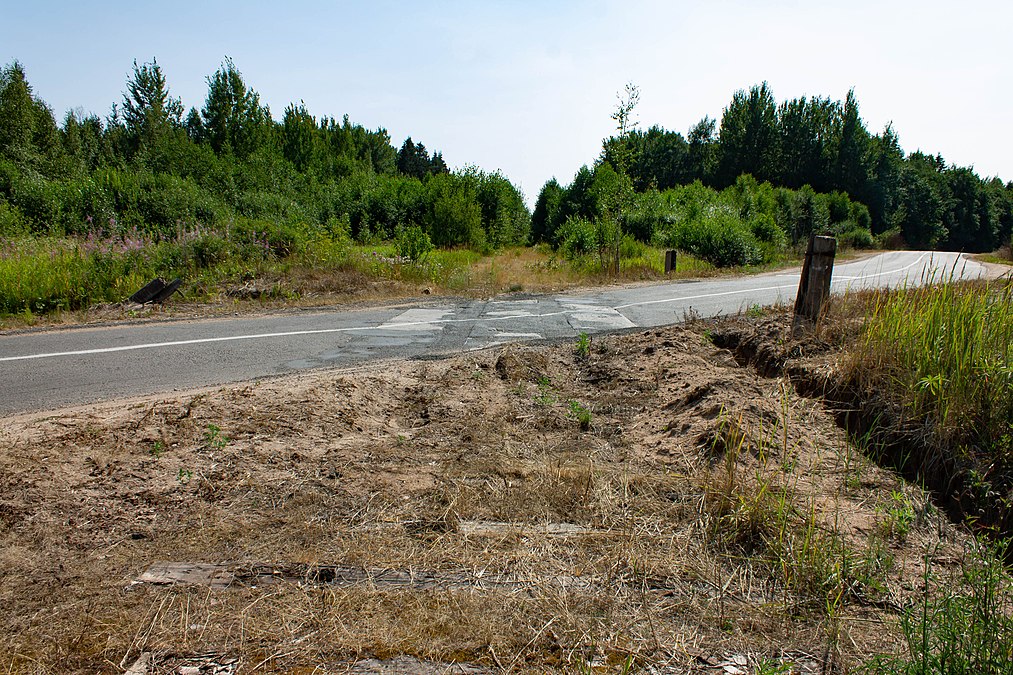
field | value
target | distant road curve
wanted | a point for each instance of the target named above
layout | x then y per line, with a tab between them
44	370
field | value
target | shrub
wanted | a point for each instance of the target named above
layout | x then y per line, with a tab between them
39	202
965	628
856	237
208	250
412	244
722	240
12	221
837	205
455	217
576	237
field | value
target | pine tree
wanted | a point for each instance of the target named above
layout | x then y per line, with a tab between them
148	110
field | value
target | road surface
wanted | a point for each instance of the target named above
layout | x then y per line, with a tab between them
44	370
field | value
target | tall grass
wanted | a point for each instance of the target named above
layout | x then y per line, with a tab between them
962	628
944	350
45	275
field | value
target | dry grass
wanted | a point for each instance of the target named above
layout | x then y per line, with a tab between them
367	277
704	514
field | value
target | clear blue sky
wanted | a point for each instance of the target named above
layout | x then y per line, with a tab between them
528	86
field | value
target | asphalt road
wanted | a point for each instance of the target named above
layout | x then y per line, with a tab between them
44	370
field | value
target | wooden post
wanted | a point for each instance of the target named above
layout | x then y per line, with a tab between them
814	285
669	262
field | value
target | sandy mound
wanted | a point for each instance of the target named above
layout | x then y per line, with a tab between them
652	503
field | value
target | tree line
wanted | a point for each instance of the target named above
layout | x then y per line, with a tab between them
152	166
813	145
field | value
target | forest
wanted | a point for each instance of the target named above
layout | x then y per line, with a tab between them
91	206
808	165
149	167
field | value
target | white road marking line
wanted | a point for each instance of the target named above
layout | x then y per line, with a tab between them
880	274
704	295
261	336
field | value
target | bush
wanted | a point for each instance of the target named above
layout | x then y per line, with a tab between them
39	202
722	240
965	628
575	237
208	250
12	221
856	237
87	207
766	230
859	214
455	217
412	244
837	205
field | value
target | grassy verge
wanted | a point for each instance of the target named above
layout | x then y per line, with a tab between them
962	627
62	279
1003	256
942	354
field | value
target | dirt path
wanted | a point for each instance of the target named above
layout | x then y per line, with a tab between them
649	503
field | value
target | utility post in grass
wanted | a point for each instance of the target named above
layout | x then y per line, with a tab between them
669	261
814	285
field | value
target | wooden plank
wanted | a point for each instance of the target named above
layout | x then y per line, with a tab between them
484	528
169	289
223	576
150	290
199	574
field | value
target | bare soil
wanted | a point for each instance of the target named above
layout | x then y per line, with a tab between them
651	505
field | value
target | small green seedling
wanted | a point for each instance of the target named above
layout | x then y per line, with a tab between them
214	437
583	347
581	413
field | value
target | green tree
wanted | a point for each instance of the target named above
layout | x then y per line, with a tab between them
612	194
29	136
921	205
656	158
972	216
299	131
455	216
806	133
17	114
413	160
748	138
883	194
83	141
545	218
232	119
149	112
505	218
623	115
703	151
851	170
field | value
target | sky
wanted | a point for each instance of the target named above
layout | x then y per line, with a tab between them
528	87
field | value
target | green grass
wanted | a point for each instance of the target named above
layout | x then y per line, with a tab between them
945	352
39	276
50	275
961	625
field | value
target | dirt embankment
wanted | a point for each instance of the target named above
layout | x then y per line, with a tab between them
648	503
966	486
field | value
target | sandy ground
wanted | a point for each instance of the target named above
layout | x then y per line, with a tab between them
649	505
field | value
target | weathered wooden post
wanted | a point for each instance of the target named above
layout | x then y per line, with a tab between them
669	261
814	285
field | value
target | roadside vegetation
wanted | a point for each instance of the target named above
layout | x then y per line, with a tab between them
939	363
242	205
940	359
